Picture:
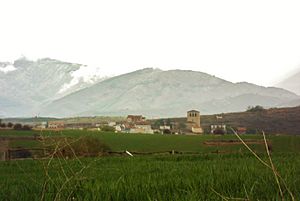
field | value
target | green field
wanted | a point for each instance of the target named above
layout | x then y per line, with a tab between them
156	143
197	172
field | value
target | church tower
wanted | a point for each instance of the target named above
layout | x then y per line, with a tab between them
193	121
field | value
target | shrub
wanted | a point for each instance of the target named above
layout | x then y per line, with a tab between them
86	146
108	128
257	108
18	127
251	131
219	131
26	128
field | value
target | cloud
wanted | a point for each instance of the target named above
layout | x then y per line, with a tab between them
8	68
85	74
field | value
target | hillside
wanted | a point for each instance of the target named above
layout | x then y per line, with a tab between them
157	93
272	121
291	83
26	85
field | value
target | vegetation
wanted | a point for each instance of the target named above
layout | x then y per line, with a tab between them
21	127
148	178
272	121
257	108
84	146
195	172
107	128
18	127
160	143
10	125
6	125
219	131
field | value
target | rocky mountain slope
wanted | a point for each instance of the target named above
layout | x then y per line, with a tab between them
153	92
27	85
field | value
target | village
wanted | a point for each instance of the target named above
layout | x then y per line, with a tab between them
191	125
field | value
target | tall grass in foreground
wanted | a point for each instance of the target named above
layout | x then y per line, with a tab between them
278	178
149	178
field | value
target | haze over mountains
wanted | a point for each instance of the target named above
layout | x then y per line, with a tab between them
48	87
291	83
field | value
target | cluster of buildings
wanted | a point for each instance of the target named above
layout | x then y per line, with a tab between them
139	124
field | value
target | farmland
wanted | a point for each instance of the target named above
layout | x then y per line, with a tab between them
197	171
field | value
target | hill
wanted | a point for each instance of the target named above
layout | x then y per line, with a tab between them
272	121
153	92
291	83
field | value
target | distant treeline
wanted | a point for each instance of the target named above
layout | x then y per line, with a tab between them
16	126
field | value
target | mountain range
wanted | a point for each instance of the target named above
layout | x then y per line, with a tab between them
46	87
27	85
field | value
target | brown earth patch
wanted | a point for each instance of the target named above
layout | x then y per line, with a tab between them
4	145
233	142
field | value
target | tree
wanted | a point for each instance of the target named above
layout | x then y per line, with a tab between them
26	128
182	126
10	125
2	125
18	127
158	123
257	108
167	131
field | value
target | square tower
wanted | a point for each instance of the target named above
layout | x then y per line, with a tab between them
194	116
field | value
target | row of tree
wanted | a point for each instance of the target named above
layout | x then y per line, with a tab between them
14	126
8	125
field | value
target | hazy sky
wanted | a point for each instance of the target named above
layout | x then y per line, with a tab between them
256	41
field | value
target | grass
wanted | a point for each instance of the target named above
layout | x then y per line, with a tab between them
152	178
204	176
156	143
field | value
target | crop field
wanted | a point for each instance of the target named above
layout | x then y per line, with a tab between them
201	168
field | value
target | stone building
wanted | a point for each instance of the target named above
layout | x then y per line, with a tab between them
135	119
56	125
193	122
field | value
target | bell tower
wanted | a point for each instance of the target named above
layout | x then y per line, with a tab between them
194	116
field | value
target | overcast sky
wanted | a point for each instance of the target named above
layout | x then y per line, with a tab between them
256	41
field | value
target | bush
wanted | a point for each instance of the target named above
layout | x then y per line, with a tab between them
251	131
26	128
257	108
108	129
219	131
18	127
9	125
86	146
2	125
